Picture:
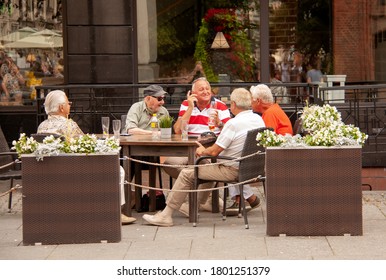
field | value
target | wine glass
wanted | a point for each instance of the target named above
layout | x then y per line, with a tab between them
184	129
117	128
105	126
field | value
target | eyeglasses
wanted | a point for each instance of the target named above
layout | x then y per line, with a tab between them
159	98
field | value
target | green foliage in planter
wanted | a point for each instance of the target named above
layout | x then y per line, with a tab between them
165	121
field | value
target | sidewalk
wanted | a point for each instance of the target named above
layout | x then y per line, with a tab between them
212	239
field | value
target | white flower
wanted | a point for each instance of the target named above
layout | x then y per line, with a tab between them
324	127
87	144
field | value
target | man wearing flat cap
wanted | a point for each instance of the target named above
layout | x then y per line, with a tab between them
140	113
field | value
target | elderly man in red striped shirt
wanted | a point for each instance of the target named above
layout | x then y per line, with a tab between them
196	110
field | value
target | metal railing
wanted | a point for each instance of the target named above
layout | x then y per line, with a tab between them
361	105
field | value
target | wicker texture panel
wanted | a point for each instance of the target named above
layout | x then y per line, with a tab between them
71	199
314	191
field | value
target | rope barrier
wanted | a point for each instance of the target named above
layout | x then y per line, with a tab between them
170	165
9	164
222	162
11	190
253	180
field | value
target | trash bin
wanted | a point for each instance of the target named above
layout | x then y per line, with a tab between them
336	95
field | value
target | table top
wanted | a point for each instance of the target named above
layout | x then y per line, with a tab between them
146	140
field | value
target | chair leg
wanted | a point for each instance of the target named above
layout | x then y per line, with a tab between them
193	200
224	209
160	176
10	198
215	199
242	204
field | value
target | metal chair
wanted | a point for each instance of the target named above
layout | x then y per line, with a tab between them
10	166
249	168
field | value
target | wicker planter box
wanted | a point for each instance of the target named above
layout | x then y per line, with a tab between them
314	191
71	199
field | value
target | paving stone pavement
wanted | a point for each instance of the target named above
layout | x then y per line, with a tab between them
212	239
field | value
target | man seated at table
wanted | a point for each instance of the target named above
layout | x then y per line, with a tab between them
229	143
140	113
195	109
57	108
138	120
272	114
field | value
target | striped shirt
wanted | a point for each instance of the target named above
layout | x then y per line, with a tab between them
198	122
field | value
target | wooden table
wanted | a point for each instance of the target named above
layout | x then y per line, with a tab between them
144	145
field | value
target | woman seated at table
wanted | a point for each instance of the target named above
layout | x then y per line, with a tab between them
57	108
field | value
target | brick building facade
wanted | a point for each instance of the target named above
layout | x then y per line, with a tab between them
353	47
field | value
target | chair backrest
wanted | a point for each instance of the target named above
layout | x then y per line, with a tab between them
253	166
297	129
4	148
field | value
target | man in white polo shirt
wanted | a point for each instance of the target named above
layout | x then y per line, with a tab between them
229	143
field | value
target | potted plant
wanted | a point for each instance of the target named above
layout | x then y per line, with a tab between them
313	182
165	124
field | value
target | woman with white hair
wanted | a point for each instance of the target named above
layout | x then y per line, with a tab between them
57	108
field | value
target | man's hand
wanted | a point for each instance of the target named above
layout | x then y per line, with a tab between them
191	97
200	149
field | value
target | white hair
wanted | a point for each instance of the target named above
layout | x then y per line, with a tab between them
242	98
53	100
262	92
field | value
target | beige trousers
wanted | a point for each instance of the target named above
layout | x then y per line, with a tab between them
185	181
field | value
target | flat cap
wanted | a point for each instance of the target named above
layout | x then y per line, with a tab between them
154	90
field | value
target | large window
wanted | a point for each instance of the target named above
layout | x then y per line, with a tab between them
302	34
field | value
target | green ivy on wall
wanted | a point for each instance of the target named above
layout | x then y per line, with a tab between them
233	27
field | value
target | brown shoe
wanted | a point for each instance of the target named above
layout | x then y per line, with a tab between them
255	203
233	210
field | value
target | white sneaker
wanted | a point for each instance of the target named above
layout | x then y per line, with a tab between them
125	220
207	206
158	219
184	209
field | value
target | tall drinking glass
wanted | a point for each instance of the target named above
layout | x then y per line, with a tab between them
212	119
117	128
105	126
184	129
